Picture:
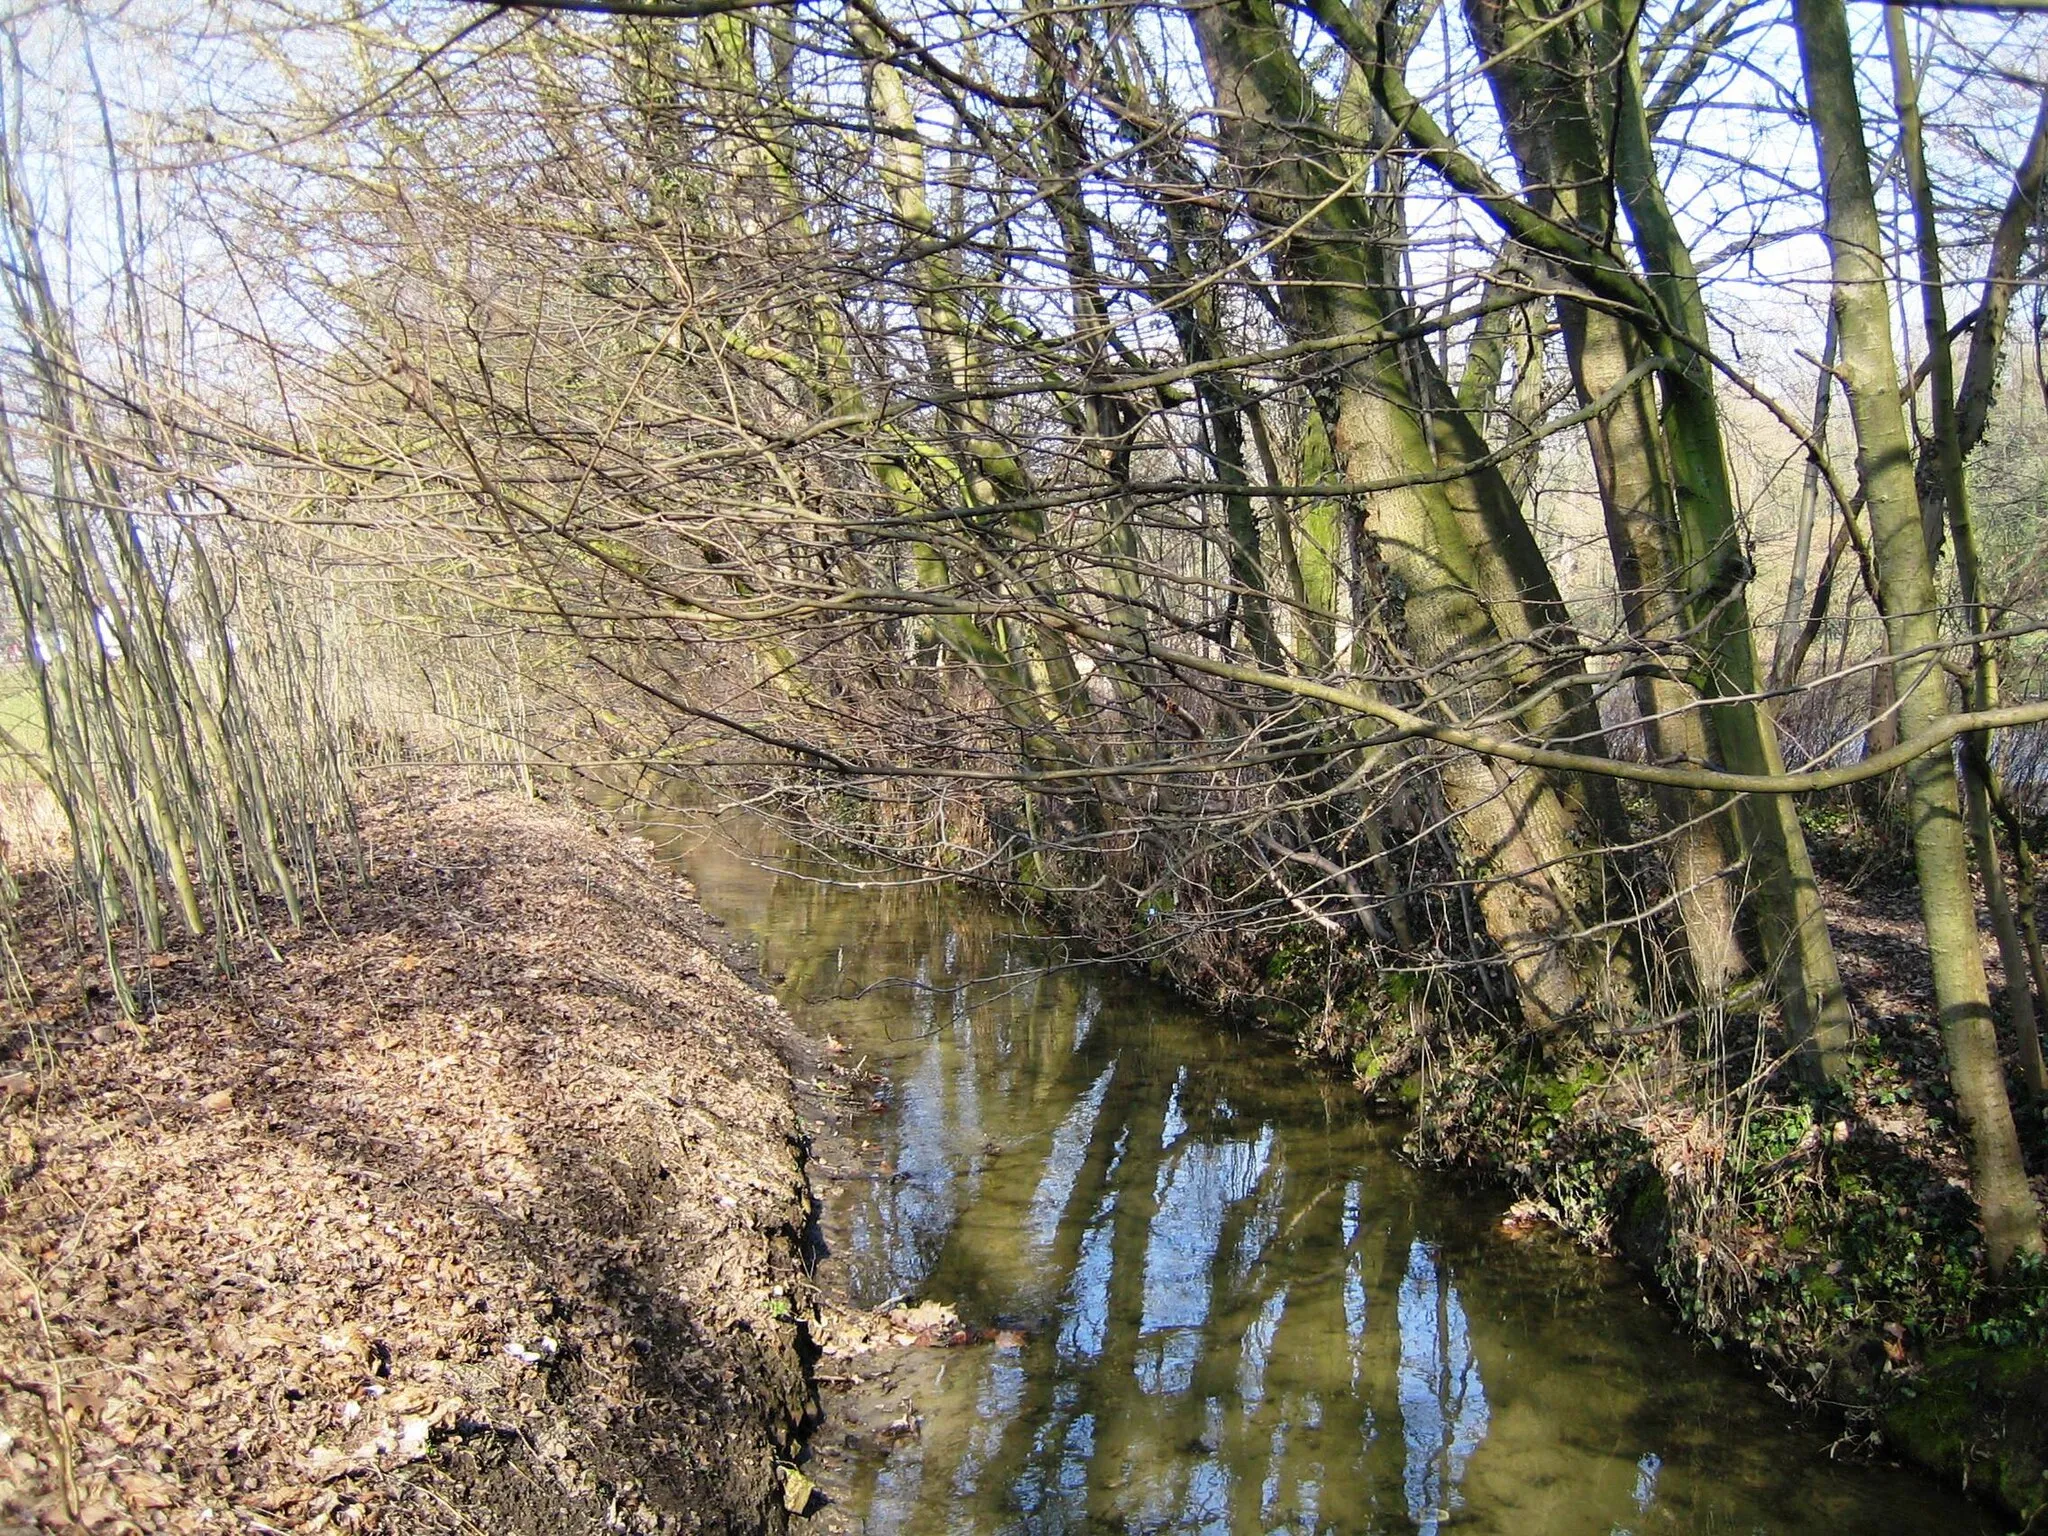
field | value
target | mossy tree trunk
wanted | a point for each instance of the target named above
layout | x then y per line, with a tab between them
1905	569
1529	838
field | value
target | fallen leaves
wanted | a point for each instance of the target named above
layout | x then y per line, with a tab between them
797	1491
315	1226
926	1317
935	1325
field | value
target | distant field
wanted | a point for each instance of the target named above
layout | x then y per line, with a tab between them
20	717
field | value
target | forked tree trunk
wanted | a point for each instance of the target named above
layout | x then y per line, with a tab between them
1531	842
1789	918
1549	86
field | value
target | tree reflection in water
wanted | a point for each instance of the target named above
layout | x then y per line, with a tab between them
1242	1313
1443	1404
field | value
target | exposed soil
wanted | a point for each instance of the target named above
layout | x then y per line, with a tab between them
477	1206
873	1366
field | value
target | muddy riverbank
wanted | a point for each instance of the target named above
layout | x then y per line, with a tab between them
478	1205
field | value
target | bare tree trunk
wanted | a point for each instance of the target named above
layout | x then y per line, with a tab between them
1789	651
1790	919
1532	845
1549	82
2006	1205
1943	482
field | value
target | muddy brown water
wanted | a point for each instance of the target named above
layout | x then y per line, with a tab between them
1240	1310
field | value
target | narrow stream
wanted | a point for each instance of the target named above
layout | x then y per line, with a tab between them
1241	1311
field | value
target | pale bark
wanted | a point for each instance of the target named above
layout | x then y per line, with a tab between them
1551	85
1789	916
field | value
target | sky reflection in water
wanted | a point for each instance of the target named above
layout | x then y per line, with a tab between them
1243	1312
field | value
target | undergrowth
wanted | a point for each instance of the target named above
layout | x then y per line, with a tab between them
1827	1234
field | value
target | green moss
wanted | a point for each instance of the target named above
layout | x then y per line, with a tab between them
1642	1226
1980	1416
1824	1289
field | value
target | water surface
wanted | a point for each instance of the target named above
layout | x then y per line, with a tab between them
1242	1312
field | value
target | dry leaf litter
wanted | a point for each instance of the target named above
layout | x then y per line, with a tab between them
476	1207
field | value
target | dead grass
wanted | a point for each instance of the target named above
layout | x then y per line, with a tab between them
476	1207
32	837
